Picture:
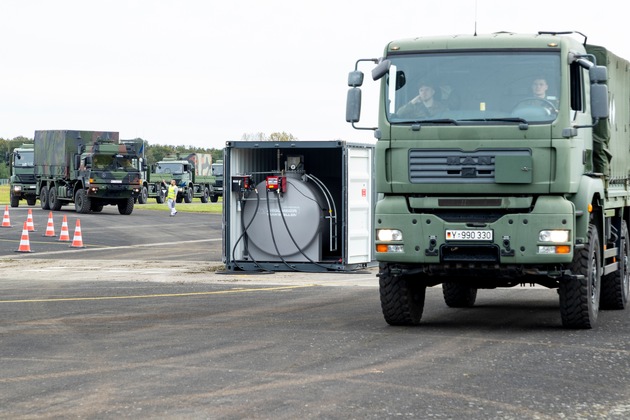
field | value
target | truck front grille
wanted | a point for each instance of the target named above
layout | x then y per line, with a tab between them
453	166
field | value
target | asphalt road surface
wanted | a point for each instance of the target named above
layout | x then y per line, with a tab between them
135	330
145	235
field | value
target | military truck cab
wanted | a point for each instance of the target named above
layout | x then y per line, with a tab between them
498	166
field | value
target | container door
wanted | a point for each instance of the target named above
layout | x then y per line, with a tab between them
360	204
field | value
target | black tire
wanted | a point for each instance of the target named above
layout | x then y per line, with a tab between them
31	201
126	206
615	286
43	198
579	298
53	200
82	203
144	196
161	195
402	298
457	295
15	201
206	194
188	198
214	198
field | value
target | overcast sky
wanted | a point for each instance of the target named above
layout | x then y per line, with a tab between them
202	72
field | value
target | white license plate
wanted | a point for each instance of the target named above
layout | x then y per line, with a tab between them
468	235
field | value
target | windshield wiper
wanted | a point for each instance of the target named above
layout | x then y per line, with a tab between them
436	121
505	119
523	124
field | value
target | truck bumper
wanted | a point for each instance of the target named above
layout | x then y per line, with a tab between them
474	236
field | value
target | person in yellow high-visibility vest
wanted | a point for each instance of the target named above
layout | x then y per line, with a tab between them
171	195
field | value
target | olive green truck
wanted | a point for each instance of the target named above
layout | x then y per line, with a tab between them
502	160
89	169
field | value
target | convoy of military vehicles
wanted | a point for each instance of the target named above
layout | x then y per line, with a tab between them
92	169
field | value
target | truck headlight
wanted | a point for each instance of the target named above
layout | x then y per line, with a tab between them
553	236
388	235
17	188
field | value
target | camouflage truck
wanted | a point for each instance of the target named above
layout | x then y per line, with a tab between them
503	186
192	172
22	184
217	186
88	168
136	147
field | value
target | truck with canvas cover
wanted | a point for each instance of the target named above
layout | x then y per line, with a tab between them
192	173
501	160
21	175
88	168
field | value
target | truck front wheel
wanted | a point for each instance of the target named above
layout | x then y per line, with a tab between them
615	286
402	298
188	198
457	295
143	197
126	206
82	202
579	298
43	198
15	201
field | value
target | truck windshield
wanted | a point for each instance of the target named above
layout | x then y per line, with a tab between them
169	168
217	169
112	163
469	87
23	159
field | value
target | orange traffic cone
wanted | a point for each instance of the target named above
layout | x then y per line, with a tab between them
65	234
77	240
50	227
25	245
29	221
6	221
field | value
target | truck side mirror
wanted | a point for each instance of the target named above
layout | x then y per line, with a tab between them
381	69
599	101
598	74
355	78
353	105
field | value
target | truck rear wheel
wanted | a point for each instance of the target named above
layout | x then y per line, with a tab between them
579	298
125	206
82	202
43	198
615	286
53	200
206	194
402	298
457	295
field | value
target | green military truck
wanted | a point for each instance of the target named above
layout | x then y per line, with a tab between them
501	160
216	189
89	169
191	171
22	184
136	148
